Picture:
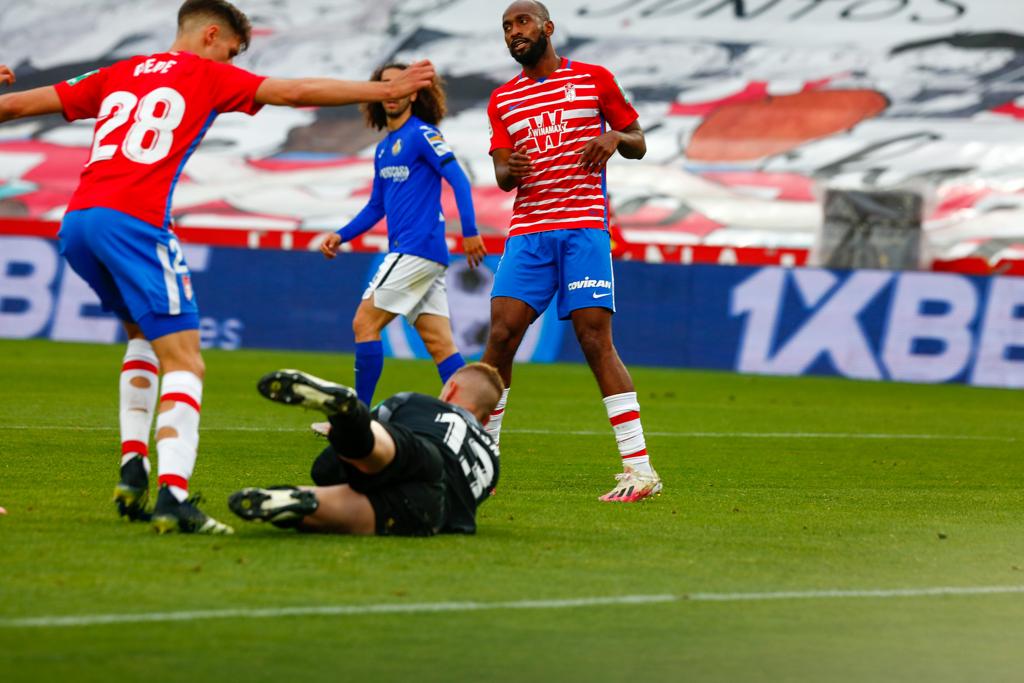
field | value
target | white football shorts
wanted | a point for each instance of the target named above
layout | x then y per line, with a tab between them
409	285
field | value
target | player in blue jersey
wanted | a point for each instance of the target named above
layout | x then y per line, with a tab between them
408	166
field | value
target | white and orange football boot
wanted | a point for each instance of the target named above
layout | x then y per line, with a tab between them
633	486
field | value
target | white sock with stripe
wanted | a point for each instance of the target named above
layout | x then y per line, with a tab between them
493	425
624	414
177	430
140	376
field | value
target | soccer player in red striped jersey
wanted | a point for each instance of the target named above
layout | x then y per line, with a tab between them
553	129
152	111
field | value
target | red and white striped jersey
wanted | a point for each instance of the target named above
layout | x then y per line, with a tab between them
552	120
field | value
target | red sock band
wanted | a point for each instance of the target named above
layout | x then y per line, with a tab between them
624	417
182	398
140	365
134	447
173	480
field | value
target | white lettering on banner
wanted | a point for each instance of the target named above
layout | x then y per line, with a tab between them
835	331
908	324
1002	332
30	270
832	327
70	323
25	299
758	298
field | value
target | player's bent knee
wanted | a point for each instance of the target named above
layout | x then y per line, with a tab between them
503	337
327	469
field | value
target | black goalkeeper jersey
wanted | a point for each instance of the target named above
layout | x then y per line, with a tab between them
470	455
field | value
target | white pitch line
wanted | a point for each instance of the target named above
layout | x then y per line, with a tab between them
436	607
604	433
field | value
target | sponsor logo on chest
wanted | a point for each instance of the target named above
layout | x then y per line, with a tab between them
398	174
546	129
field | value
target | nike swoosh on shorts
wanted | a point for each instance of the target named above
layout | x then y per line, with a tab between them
598	296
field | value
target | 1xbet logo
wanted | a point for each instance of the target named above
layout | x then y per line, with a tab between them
868	324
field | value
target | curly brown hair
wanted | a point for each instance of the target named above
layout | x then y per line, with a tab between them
430	105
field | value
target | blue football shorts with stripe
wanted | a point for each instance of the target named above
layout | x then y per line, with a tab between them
138	270
575	265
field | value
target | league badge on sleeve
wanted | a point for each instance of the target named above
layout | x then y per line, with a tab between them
78	79
437	142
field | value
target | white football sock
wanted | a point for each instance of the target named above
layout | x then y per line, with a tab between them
624	414
140	375
177	448
493	425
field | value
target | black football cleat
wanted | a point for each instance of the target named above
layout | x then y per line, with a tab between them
132	492
297	388
282	506
169	516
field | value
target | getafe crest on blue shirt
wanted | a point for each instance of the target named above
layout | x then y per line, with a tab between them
396	148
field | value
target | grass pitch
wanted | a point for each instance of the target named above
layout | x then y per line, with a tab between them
763	494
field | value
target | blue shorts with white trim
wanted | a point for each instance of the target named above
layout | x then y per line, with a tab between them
574	264
138	270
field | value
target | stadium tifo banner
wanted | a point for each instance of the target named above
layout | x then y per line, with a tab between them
752	109
914	327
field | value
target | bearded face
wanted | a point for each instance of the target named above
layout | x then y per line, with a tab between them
528	52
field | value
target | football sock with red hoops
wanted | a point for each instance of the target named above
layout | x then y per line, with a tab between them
449	365
369	365
140	377
493	425
624	414
177	430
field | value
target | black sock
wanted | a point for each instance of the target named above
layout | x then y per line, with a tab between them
350	434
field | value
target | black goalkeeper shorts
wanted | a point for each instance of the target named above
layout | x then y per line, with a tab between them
407	496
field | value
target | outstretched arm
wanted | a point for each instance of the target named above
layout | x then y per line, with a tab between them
331	92
33	102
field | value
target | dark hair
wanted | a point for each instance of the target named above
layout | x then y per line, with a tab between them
218	10
430	104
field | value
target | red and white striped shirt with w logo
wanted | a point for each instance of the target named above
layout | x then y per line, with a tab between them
552	121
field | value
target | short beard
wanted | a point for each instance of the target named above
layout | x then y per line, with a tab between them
532	55
398	113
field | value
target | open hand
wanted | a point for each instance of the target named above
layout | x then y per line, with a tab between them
418	76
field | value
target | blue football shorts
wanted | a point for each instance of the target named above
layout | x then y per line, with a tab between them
138	270
574	264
